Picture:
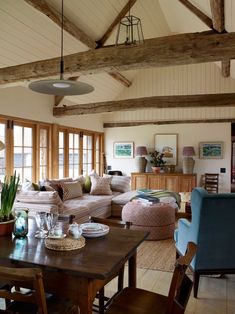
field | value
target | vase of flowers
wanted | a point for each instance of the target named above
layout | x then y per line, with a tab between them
8	194
156	159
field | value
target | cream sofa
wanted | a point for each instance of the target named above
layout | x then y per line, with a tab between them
83	206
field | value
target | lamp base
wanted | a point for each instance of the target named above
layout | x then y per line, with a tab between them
140	163
188	165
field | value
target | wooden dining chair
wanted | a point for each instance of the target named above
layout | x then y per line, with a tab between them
139	301
30	301
102	299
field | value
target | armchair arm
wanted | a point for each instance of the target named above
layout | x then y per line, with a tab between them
183	235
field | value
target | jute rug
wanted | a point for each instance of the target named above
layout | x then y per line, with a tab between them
157	255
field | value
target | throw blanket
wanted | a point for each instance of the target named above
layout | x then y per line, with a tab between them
155	195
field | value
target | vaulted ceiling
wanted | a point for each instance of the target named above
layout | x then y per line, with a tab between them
30	32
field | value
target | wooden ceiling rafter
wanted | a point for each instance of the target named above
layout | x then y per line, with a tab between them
154	102
202	16
124	11
162	122
217	11
69	27
181	49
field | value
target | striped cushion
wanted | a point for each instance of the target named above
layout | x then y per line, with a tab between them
100	186
71	190
120	183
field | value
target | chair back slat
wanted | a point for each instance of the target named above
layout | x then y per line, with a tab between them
23	278
181	284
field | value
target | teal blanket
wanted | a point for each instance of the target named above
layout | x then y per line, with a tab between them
148	194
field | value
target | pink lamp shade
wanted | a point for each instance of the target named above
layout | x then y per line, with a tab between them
188	151
141	151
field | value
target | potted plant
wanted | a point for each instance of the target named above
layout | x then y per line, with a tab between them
156	158
8	194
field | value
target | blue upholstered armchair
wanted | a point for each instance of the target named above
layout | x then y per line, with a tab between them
213	230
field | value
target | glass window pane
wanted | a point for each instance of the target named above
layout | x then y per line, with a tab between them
27	174
18	135
61	139
28	136
61	156
84	142
61	172
75	158
18	157
89	156
89	168
43	138
89	141
76	141
27	157
43	156
70	140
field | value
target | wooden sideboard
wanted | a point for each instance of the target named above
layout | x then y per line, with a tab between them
177	182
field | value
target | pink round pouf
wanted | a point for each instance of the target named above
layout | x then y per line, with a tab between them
158	219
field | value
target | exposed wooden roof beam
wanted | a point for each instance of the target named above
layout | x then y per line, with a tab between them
156	52
217	10
119	77
58	99
203	17
72	29
124	11
162	122
225	68
176	101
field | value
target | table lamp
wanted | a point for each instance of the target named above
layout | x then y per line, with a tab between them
188	161
140	160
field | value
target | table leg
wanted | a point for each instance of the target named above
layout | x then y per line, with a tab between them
132	268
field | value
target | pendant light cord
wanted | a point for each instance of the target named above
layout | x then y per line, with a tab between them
62	42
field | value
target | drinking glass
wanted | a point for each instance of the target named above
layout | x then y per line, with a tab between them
40	218
51	220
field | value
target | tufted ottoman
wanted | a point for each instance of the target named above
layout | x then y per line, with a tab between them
158	219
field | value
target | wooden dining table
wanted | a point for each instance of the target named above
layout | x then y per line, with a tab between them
76	274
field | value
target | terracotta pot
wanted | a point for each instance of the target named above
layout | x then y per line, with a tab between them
156	169
6	227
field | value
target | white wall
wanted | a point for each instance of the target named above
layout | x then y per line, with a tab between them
23	103
188	135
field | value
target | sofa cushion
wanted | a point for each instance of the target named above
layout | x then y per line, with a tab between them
87	184
100	186
120	183
39	197
71	190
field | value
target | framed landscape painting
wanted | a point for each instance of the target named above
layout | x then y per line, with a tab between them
123	150
211	150
167	144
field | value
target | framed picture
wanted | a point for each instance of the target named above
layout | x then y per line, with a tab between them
210	150
167	144
123	150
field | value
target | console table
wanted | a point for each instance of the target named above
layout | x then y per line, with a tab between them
176	182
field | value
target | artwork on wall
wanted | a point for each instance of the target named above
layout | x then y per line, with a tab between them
210	150
123	150
167	144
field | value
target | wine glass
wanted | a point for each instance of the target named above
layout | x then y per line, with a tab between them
51	220
40	218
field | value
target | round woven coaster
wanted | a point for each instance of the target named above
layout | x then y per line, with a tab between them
66	244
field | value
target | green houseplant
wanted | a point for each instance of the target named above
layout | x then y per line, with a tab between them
156	159
8	194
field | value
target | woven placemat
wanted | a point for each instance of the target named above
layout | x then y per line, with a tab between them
66	244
